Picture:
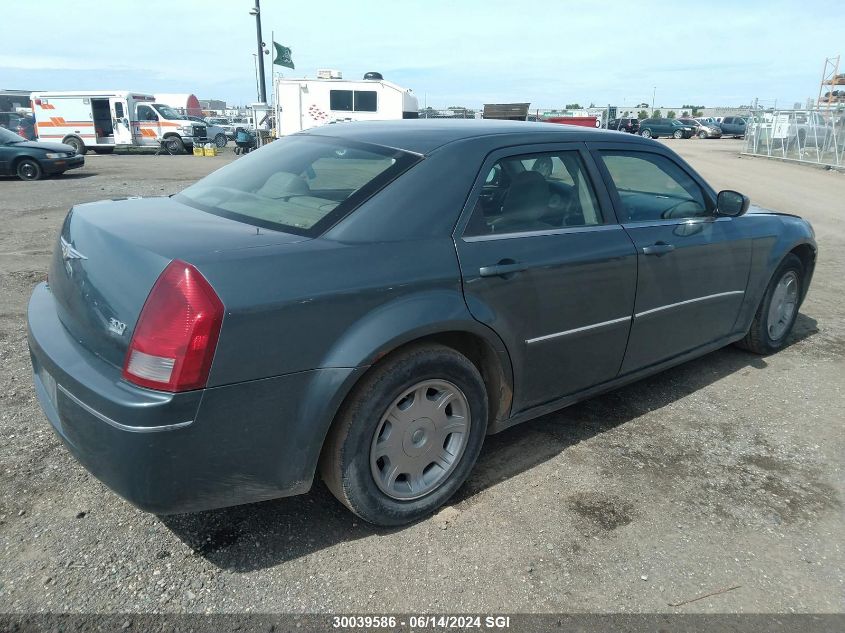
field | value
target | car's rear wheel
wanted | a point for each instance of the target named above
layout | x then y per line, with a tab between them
76	143
408	436
28	169
778	310
646	133
678	134
220	140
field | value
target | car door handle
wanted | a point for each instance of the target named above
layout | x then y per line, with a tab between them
503	268
660	248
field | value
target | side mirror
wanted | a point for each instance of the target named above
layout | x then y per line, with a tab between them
731	203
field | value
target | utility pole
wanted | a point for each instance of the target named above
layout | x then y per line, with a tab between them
653	92
262	89
257	82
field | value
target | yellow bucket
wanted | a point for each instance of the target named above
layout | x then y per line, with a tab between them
197	150
210	151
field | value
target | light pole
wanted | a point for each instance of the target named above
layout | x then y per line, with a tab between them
257	83
262	90
653	92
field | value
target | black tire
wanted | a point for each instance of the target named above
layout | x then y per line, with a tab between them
702	135
29	169
104	150
758	339
345	462
646	133
678	134
76	143
174	145
220	140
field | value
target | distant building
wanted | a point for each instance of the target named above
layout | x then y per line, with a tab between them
212	104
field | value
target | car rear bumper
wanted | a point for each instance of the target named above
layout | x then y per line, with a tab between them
58	165
185	452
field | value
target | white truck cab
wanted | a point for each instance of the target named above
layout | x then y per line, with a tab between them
104	120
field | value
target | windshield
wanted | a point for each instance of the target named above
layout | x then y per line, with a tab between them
7	136
167	112
298	184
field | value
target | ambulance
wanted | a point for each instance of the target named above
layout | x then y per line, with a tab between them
104	120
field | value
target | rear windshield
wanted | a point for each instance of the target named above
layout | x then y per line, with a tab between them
299	184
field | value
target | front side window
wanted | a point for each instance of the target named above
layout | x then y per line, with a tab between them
145	113
167	112
298	184
118	109
535	192
654	187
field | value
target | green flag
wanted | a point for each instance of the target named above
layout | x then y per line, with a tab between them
283	57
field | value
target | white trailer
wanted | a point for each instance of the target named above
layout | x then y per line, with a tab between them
307	103
107	119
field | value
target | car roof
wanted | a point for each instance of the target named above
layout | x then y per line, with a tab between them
425	135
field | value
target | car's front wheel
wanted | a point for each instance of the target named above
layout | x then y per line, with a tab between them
778	310
408	436
174	145
702	135
29	169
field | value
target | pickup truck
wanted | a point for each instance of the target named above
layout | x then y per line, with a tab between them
809	128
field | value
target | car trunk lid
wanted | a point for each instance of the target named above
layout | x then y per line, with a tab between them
111	253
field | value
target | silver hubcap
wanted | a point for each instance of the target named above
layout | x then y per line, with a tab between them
782	307
420	439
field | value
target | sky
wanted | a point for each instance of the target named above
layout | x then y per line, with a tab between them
465	53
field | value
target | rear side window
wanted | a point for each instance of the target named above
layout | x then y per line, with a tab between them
535	192
653	187
300	184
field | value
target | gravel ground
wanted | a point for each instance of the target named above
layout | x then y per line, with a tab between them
723	472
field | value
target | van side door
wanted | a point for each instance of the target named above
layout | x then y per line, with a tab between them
148	125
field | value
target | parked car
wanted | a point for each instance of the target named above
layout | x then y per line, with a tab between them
809	128
708	120
214	133
733	126
32	160
626	124
703	130
225	124
370	300
21	124
655	128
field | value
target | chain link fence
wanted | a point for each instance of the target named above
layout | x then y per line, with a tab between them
814	136
452	112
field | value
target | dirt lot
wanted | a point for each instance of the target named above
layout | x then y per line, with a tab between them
724	472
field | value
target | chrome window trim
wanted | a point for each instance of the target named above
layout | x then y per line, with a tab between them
559	231
676	221
118	425
688	301
578	329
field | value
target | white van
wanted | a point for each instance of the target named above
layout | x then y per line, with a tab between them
104	120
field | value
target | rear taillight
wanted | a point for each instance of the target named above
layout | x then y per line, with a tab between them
174	342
